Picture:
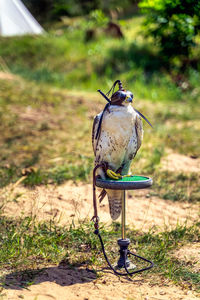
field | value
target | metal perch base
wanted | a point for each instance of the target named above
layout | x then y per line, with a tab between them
126	183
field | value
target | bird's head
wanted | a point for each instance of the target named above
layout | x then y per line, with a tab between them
121	97
129	97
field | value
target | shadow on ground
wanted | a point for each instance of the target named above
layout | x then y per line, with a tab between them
64	275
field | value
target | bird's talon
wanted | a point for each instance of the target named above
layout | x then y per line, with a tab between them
111	174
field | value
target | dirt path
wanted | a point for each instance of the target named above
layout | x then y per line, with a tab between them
68	284
72	201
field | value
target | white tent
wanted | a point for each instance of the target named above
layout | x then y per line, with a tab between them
15	19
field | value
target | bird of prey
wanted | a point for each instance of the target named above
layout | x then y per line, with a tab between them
116	137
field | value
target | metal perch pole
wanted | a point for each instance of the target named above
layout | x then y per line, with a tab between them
123	214
127	183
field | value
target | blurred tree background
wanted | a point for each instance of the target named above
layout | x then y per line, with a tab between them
170	34
175	26
53	10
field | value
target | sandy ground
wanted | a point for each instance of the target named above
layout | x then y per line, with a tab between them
176	162
7	75
65	284
72	201
190	254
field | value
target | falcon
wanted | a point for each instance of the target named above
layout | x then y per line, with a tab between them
116	137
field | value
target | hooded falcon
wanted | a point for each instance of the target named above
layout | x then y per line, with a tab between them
116	137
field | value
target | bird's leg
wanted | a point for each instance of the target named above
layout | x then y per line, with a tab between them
120	170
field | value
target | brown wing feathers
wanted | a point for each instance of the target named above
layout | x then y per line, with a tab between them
96	120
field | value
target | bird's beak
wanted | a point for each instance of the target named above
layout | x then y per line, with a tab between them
128	99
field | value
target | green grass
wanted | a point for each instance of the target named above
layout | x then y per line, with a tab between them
66	60
45	128
27	245
46	118
49	129
176	187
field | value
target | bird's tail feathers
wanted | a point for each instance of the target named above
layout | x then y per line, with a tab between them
115	203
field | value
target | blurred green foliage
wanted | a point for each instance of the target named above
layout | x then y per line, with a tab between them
54	9
174	25
63	58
